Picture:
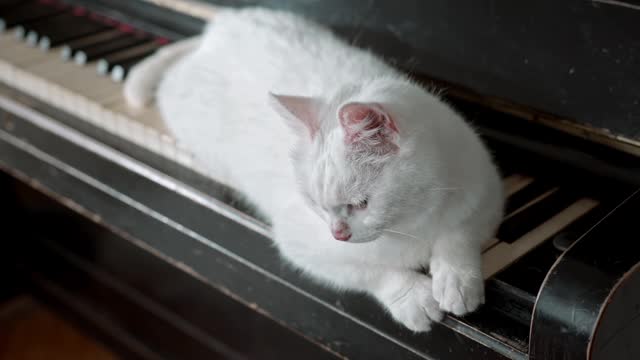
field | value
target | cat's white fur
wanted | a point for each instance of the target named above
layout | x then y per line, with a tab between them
257	98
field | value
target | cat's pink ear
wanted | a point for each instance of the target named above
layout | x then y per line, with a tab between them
300	112
368	124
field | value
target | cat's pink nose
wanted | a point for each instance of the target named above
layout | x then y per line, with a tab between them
341	231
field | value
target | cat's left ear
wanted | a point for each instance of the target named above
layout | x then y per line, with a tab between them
300	112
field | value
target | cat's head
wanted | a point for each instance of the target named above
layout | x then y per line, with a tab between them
346	163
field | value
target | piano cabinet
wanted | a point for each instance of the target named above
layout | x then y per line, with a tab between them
107	220
157	266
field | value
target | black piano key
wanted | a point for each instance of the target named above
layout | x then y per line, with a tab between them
30	12
96	51
7	9
533	216
10	3
72	26
120	71
105	65
7	5
33	27
70	47
526	194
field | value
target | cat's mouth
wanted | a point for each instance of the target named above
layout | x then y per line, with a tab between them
342	237
359	239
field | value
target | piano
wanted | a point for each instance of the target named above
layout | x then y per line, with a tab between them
107	220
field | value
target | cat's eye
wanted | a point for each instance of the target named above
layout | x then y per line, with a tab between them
358	206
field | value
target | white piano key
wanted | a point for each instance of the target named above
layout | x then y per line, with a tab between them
503	254
515	183
531	202
82	93
18	53
190	7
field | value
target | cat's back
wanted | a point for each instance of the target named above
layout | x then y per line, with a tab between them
246	53
278	51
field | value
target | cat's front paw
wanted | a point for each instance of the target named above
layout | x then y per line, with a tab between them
415	307
457	290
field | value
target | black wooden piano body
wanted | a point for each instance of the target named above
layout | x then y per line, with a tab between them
110	226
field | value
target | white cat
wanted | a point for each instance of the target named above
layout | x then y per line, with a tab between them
366	176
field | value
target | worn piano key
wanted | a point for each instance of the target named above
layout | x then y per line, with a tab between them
93	52
525	220
504	254
28	13
526	194
66	28
70	47
106	64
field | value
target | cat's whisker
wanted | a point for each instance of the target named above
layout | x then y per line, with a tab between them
404	295
401	233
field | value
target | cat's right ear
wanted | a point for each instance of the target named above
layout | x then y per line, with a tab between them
300	112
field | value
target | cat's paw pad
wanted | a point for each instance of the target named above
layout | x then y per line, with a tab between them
416	308
458	292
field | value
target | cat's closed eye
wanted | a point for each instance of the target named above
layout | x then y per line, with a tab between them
358	206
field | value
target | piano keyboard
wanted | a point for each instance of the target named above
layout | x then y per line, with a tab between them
79	69
70	74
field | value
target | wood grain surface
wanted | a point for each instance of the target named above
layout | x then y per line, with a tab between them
29	331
